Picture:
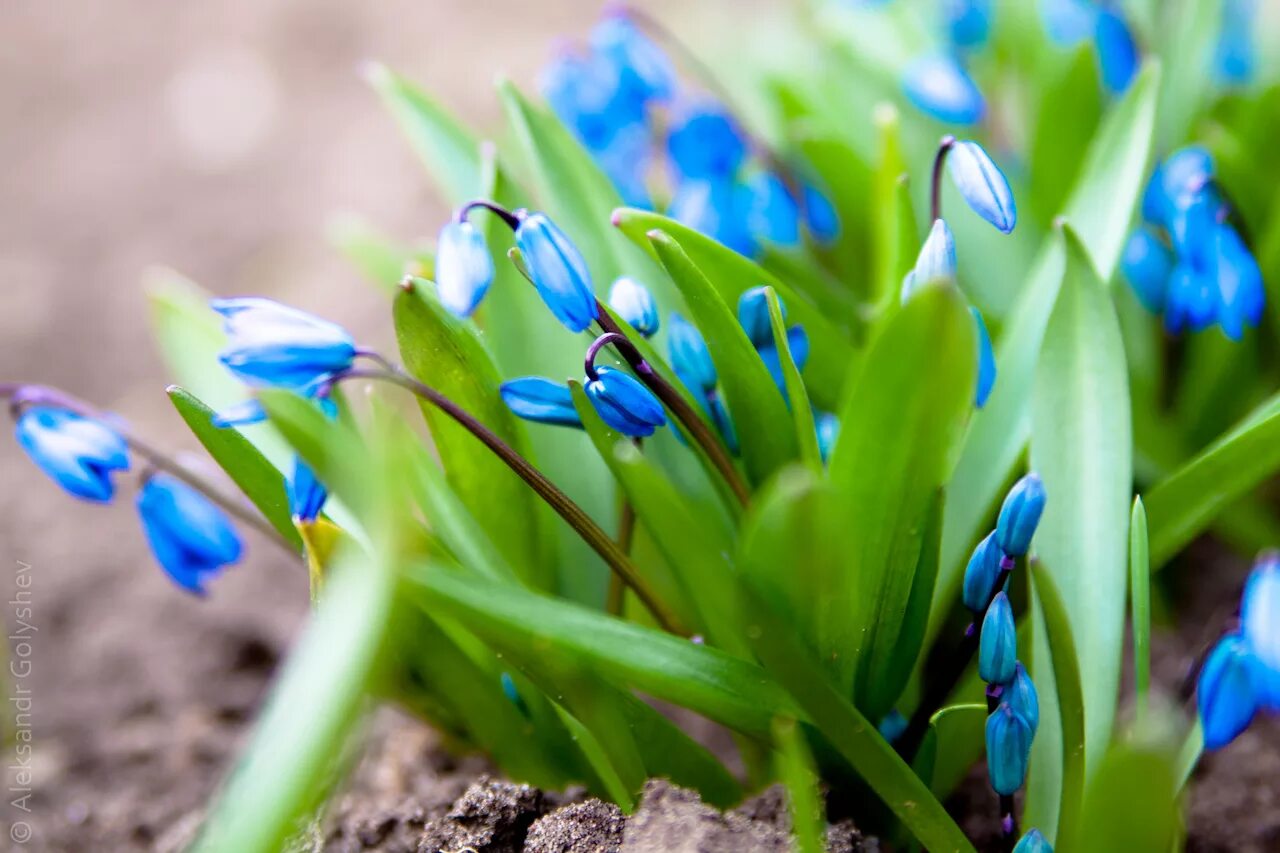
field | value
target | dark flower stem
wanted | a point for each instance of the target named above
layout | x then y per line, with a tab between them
940	686
935	188
510	219
20	394
577	518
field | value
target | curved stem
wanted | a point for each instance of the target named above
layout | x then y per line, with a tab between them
510	219
589	360
21	394
935	187
694	425
577	518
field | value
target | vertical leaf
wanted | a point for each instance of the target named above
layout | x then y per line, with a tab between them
1140	598
797	396
797	772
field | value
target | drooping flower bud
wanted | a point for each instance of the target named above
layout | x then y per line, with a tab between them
273	345
1117	51
558	271
1022	697
998	644
1008	749
1020	515
78	453
191	538
690	358
464	267
983	185
828	429
538	399
936	261
981	573
624	403
986	361
1225	695
634	303
939	87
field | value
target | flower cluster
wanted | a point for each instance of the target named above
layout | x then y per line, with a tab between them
1241	674
1187	262
622	100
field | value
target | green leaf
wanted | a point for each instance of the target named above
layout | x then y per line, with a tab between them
1064	696
1185	503
709	682
261	482
310	714
1132	802
796	770
945	754
1100	209
1081	445
731	274
1140	601
892	218
797	396
376	257
447	354
1069	112
753	400
901	427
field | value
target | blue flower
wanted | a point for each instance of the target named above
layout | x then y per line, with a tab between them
986	361
1008	749
719	208
244	413
938	86
1069	22
1225	694
634	303
1260	625
78	453
705	143
775	215
998	643
1190	302
983	185
1147	265
191	538
893	725
558	270
464	268
1022	697
827	426
1033	842
820	215
642	67
541	400
625	160
968	22
1240	290
305	492
690	358
270	344
1235	55
936	261
1117	51
624	403
1175	182
753	315
981	573
1020	514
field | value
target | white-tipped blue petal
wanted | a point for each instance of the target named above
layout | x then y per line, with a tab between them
624	403
982	184
938	86
558	271
273	345
1260	625
634	303
464	268
541	400
936	261
79	454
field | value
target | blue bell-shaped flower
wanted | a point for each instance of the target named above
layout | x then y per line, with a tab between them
1117	51
1020	514
986	361
1174	181
753	316
584	93
939	87
705	143
1008	750
305	492
968	22
1147	265
1225	695
982	184
641	65
775	215
1260	625
464	267
1022	697
79	454
1033	842
1191	302
827	426
624	403
535	398
936	261
1241	293
558	270
981	573
273	345
893	725
820	215
634	303
719	208
690	358
998	643
191	538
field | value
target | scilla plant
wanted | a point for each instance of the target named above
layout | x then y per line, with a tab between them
790	484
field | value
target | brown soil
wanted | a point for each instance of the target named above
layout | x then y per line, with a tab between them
139	695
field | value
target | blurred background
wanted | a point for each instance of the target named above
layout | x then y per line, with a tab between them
221	140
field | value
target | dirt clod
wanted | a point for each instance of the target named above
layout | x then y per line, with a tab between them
588	827
491	817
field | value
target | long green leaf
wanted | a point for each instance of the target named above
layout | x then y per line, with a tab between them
1140	603
798	774
1132	802
1081	445
797	396
261	482
901	428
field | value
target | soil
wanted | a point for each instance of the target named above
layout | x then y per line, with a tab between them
221	138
